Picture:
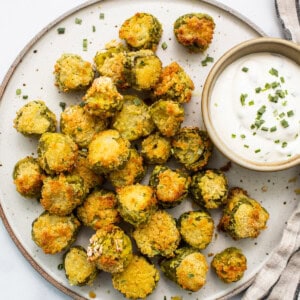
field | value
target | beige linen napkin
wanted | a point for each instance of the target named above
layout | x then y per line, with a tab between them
280	276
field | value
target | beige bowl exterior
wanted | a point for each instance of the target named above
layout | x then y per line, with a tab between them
273	45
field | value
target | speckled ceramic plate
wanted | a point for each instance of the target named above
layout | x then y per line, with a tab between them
32	72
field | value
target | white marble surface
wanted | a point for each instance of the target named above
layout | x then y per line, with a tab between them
19	21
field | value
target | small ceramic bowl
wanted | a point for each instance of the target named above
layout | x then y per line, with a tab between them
238	155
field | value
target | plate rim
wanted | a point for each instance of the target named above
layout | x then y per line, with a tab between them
3	86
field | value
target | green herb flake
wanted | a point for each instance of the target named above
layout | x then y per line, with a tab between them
284	144
94	28
246	146
265	128
233	135
245	69
243	98
280	93
164	45
62	105
60	267
290	113
277	141
61	30
101	16
25	97
257	150
78	21
273	129
262	110
284	123
273	72
281	115
208	59
282	79
251	103
18	92
273	98
243	136
191	275
258	90
84	44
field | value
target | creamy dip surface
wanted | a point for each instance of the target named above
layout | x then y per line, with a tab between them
255	106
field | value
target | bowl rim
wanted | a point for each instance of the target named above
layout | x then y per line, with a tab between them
262	44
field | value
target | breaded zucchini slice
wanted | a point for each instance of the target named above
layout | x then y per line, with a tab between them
142	69
82	168
61	194
102	99
194	31
110	62
243	217
110	249
209	188
192	147
133	171
34	119
99	209
196	228
136	203
108	151
28	177
81	126
53	233
72	72
57	153
168	116
79	271
133	121
174	84
229	264
138	280
158	236
141	31
171	186
156	149
188	268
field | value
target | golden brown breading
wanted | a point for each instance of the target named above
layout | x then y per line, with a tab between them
54	233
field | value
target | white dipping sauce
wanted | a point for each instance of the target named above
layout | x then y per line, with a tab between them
255	106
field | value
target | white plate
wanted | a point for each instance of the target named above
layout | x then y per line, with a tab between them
32	72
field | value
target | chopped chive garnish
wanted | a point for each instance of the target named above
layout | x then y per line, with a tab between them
281	115
272	129
207	60
258	90
101	16
257	150
250	103
284	123
262	110
245	69
243	136
233	135
272	98
277	141
243	98
84	44
78	21
280	93
60	266
284	144
164	45
25	97
246	146
265	128
267	86
273	72
93	28
61	30
18	92
290	113
282	79
275	84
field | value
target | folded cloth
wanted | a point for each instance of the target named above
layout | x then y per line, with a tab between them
280	276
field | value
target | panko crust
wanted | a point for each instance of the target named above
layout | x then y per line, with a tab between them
141	31
136	203
79	271
230	264
99	209
168	116
194	31
174	84
108	151
56	153
138	280
81	126
28	177
102	99
53	233
61	194
243	217
158	236
156	149
196	228
133	121
34	119
209	188
111	249
72	72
